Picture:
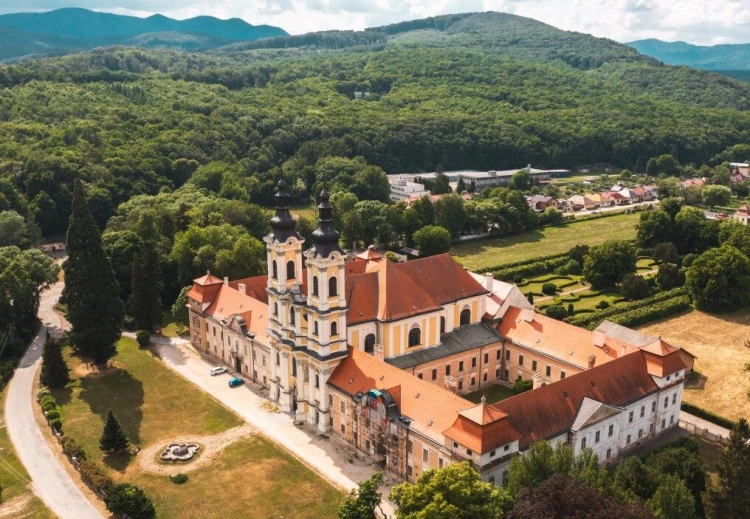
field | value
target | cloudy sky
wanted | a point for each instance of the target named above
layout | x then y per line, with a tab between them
695	21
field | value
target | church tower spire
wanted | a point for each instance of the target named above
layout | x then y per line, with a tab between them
283	225
325	239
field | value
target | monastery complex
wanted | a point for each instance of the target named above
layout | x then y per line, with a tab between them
379	353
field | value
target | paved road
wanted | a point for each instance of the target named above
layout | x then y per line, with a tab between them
702	424
49	479
326	457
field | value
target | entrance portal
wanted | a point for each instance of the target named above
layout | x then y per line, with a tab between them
238	364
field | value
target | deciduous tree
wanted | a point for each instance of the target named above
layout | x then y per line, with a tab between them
362	501
607	264
432	239
719	280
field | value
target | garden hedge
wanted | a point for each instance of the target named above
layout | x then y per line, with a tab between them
708	415
512	264
597	317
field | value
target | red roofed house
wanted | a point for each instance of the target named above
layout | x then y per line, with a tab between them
742	215
378	354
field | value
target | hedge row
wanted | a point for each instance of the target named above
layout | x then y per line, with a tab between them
532	269
708	415
651	313
600	315
520	263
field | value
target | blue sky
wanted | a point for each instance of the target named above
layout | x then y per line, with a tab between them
696	21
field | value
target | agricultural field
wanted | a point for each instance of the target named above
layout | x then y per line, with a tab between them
155	406
542	242
720	343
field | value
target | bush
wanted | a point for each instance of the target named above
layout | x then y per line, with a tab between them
688	259
572	267
644	253
549	289
179	479
571	309
95	475
653	312
556	312
513	264
52	415
708	415
49	399
522	385
635	287
72	449
670	276
603	304
593	319
56	424
143	337
41	393
131	500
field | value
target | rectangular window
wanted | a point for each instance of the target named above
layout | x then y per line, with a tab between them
460	385
505	477
343	406
434	374
408	471
486	358
330	400
484	377
492	454
640	433
583	443
643	411
609	453
440	463
473	362
549	371
630	417
447	370
674	399
611	430
343	429
409	446
671	420
425	455
533	365
507	354
666	402
520	360
506	448
663	423
468	451
596	437
419	376
497	373
562	375
497	357
653	406
460	366
627	440
651	428
492	479
473	381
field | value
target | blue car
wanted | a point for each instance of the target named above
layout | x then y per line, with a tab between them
234	382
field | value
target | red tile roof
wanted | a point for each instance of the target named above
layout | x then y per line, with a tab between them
255	287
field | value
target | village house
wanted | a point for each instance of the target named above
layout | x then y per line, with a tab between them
742	215
378	354
693	182
740	173
541	203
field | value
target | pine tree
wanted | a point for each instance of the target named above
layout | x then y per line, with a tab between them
91	290
54	370
730	497
530	297
113	438
145	299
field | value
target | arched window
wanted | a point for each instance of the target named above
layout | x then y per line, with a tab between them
442	324
415	337
290	270
332	287
315	285
465	316
334	328
292	315
317	380
315	327
274	270
294	367
278	359
370	343
276	309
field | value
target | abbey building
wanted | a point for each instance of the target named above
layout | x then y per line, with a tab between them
379	353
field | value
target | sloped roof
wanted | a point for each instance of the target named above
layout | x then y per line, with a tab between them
552	409
591	412
229	302
431	408
255	287
482	428
624	334
661	365
208	279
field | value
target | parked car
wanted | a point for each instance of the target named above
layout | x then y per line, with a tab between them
234	382
218	370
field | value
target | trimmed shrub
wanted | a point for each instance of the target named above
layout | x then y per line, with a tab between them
708	415
549	288
179	479
72	449
573	267
143	337
688	259
49	399
593	319
557	312
131	500
56	424
522	385
635	287
513	264
653	312
52	415
571	309
95	475
41	393
603	304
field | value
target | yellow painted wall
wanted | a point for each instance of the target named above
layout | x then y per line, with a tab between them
355	339
431	331
475	311
397	346
386	340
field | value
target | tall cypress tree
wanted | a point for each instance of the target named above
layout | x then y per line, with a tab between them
54	370
145	298
91	290
113	438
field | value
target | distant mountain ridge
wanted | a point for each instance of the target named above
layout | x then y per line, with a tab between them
728	57
75	29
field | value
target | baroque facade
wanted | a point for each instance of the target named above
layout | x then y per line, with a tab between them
379	353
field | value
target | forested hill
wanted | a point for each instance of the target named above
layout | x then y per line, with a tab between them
714	57
483	91
73	29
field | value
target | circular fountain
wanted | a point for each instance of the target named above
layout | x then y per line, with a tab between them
179	452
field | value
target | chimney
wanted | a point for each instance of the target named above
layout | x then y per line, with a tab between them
489	280
599	338
537	381
528	167
379	351
450	383
623	350
241	287
592	361
226	280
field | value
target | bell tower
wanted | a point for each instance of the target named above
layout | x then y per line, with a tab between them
284	260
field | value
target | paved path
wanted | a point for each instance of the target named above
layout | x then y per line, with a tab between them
325	456
700	423
49	479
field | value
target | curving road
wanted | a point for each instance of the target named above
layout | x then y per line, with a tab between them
50	480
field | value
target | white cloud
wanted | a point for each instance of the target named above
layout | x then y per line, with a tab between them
696	21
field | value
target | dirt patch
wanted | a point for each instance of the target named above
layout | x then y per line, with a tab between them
14	507
269	406
85	370
211	448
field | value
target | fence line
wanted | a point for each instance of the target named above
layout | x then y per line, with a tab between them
703	432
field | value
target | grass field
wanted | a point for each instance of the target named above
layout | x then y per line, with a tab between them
308	211
15	481
251	478
549	240
494	393
719	343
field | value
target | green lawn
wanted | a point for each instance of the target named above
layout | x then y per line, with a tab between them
14	479
173	330
251	478
494	393
549	240
308	211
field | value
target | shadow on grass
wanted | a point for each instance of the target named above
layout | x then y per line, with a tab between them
482	245
119	462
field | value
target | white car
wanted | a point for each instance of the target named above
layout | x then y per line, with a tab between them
218	370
